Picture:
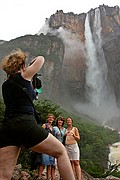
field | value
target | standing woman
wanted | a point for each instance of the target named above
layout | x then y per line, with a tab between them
72	136
47	160
19	126
59	130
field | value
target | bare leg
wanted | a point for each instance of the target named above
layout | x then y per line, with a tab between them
53	172
40	170
77	169
58	152
8	159
49	169
72	164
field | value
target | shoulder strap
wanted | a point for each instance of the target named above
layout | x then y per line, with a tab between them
48	129
60	132
46	125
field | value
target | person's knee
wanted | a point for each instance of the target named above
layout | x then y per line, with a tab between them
60	151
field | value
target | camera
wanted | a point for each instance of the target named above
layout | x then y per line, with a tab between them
37	84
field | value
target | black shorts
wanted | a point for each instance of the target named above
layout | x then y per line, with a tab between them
21	129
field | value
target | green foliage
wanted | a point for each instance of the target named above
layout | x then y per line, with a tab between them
113	170
45	107
94	143
115	174
94	147
95	139
24	158
50	46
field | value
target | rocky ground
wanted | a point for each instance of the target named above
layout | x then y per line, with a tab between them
19	174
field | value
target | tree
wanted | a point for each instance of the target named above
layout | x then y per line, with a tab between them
44	107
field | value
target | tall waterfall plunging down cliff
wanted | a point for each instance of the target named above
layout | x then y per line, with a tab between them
96	74
102	103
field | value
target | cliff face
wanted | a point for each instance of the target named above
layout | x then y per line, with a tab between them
109	16
50	47
104	26
91	61
69	21
82	56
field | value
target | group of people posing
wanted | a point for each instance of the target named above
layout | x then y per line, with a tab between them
67	136
19	127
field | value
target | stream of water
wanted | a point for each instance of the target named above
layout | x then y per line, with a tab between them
114	155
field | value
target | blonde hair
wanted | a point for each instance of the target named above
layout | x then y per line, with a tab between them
13	62
50	114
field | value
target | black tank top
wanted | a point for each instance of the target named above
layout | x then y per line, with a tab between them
15	99
48	129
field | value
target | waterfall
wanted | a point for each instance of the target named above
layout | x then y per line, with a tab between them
114	155
102	102
96	74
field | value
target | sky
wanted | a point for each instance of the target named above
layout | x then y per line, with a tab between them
21	17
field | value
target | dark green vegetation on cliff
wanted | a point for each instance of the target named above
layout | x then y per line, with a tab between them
64	47
64	78
46	45
94	143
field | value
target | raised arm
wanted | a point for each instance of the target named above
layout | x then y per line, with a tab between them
35	65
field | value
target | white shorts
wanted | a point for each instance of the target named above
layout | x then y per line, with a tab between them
73	151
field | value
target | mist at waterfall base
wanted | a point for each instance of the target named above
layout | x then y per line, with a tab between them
101	105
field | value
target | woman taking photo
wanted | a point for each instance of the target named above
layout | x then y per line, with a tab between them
72	136
19	126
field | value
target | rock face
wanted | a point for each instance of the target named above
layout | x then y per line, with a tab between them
104	34
112	56
50	46
82	56
19	174
109	16
90	68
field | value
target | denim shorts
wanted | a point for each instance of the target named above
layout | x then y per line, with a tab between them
21	129
47	160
